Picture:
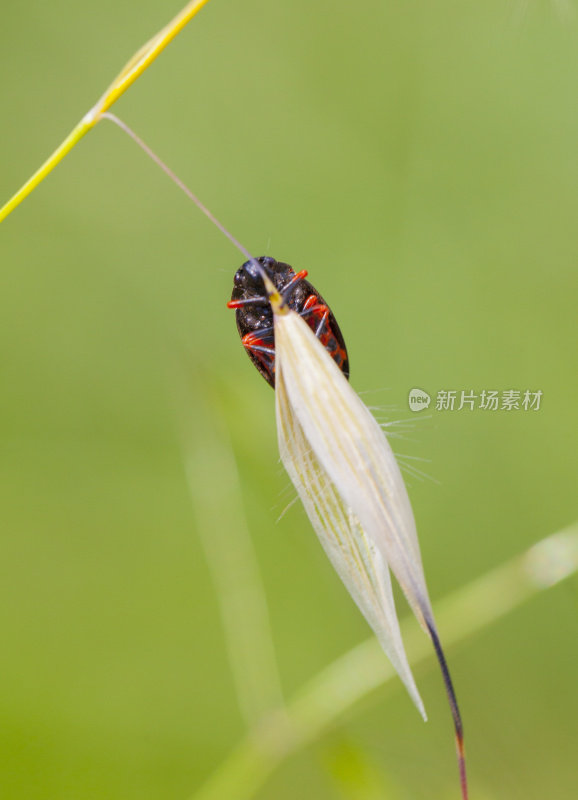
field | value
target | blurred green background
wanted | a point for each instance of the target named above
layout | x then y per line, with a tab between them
420	161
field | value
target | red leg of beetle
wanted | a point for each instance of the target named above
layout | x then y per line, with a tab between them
247	302
299	276
318	312
252	341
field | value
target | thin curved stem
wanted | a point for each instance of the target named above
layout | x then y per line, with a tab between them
133	70
175	178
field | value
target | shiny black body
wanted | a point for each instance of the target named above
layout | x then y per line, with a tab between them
255	319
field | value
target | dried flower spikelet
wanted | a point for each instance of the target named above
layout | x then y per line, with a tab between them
349	482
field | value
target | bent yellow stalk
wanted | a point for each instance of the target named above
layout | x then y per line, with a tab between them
133	69
351	487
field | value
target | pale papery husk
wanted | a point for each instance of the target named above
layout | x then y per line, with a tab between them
350	484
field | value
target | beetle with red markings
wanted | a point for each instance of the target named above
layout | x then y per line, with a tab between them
255	316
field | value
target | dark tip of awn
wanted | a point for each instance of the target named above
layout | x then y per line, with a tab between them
456	716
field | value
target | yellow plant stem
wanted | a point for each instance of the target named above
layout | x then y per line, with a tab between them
147	54
73	138
133	69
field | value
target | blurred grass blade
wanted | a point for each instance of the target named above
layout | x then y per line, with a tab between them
133	69
316	707
357	775
214	485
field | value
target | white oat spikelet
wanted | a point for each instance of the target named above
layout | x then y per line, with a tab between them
347	477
